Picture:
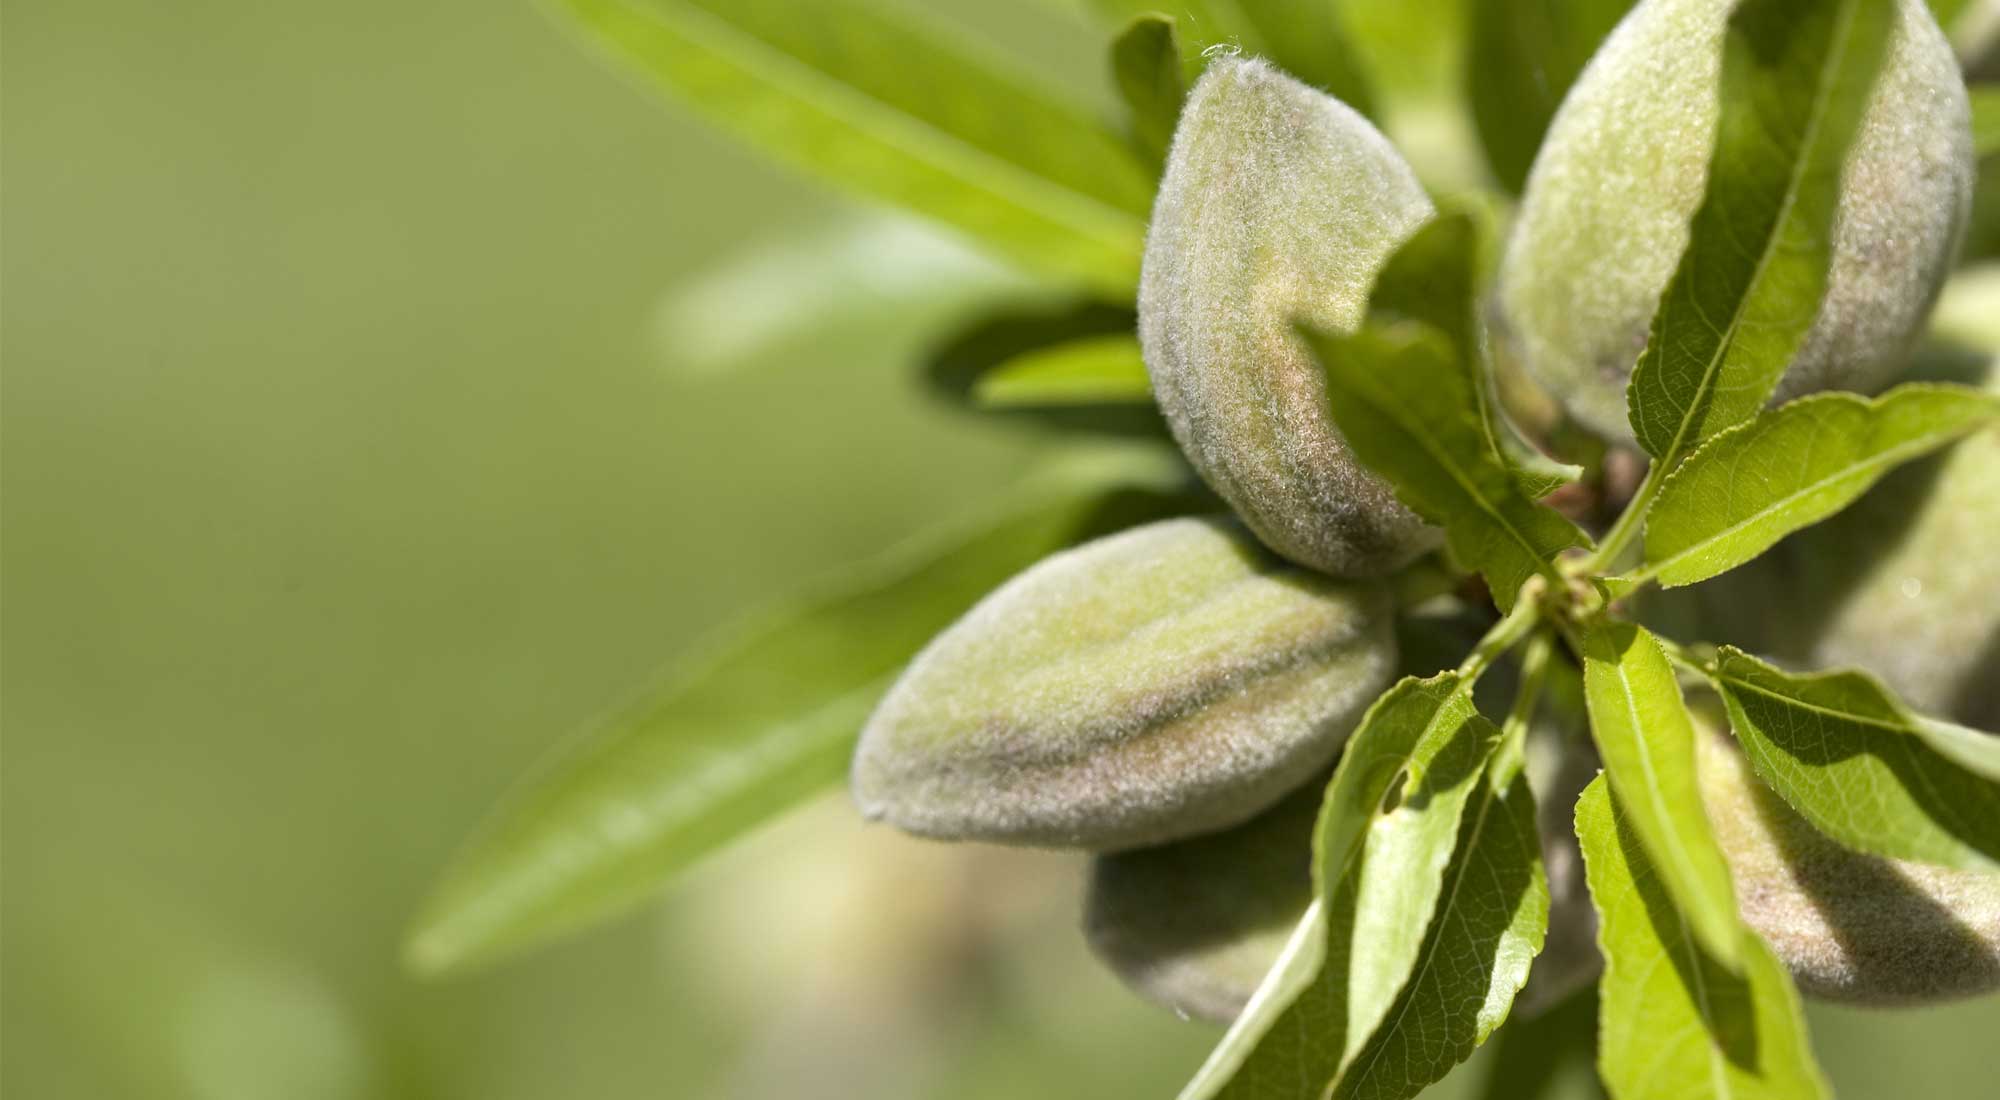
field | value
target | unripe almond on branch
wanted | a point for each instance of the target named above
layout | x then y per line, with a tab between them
1195	925
1850	927
1167	681
1604	218
1279	204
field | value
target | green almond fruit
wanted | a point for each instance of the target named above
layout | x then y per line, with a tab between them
1604	218
1279	204
1850	927
1167	681
1194	926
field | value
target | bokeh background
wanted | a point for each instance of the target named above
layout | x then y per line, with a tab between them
390	388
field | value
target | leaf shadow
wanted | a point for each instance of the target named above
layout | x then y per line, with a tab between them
1955	800
1464	753
1898	942
1978	699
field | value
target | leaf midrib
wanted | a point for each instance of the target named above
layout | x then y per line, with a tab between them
1697	406
1654	794
1430	953
1873	463
1816	708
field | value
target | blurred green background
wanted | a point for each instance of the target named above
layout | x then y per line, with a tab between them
358	447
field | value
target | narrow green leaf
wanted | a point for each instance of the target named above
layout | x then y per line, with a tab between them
1488	928
953	368
1796	79
1522	56
1849	758
1411	411
1146	63
1985	120
1385	837
880	102
1977	751
1306	39
765	719
1945	11
1433	278
778	291
1793	466
1090	371
1982	236
1674	1023
1646	738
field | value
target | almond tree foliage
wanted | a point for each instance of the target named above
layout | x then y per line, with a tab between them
1415	540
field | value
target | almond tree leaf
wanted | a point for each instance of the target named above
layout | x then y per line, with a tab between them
1796	79
1945	11
1385	836
1146	63
1974	750
1985	119
777	291
1307	40
1673	1022
953	369
1844	753
1793	466
884	104
1411	411
1433	278
1090	371
1982	236
1643	732
766	718
1487	929
1521	57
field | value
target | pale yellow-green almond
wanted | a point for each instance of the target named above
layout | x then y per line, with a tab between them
1605	214
1167	681
1850	927
1279	204
1195	925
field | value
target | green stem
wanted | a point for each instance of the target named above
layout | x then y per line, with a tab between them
1502	637
1629	522
1513	750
